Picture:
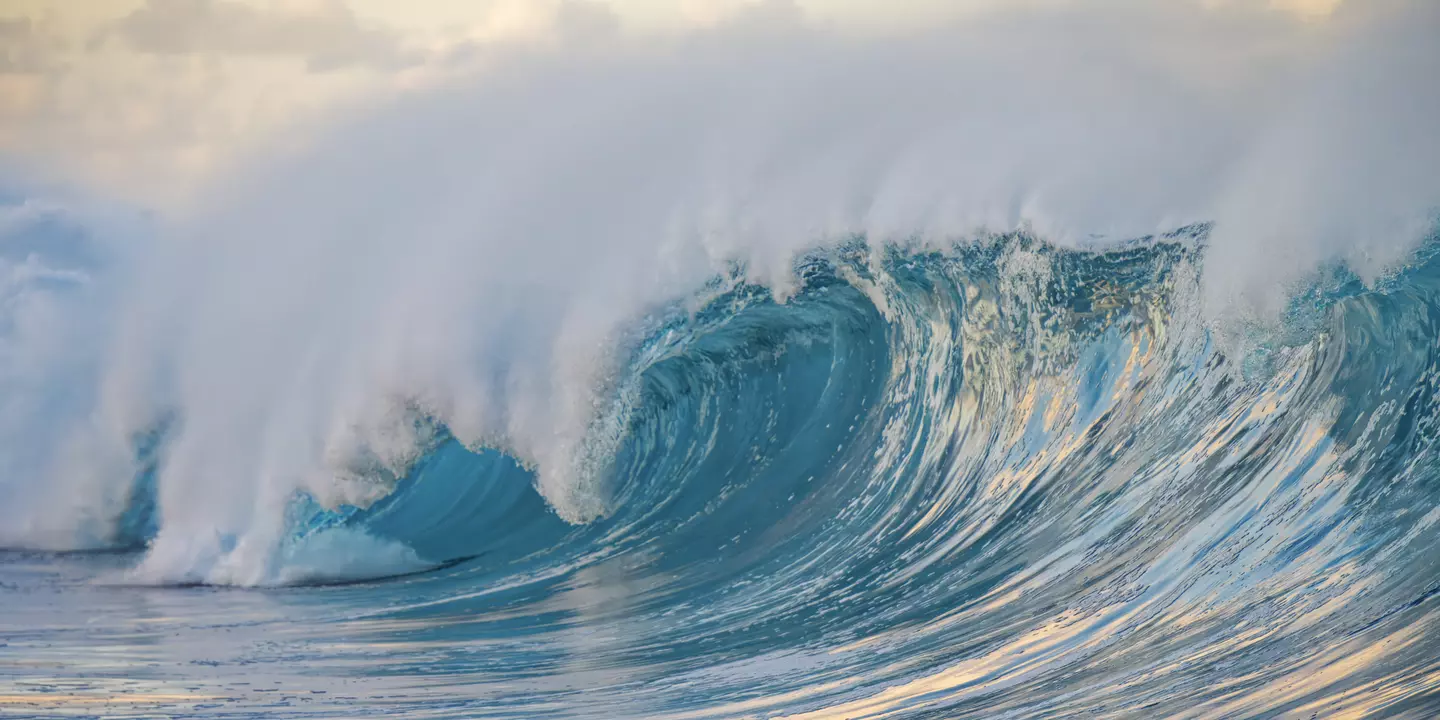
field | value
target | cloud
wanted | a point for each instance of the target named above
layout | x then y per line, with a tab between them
329	37
581	20
24	49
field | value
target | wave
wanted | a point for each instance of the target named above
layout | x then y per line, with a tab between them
465	262
1006	460
1005	386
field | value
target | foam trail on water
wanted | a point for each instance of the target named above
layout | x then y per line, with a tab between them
480	253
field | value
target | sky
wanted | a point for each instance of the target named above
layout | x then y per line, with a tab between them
146	99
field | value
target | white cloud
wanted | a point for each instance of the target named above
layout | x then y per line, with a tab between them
25	48
327	37
148	97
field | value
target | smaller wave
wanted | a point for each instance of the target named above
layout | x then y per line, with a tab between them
333	556
347	555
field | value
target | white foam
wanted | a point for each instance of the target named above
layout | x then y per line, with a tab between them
346	555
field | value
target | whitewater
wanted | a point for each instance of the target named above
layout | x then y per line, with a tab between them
1055	362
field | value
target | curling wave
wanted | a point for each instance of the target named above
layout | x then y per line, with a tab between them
1007	478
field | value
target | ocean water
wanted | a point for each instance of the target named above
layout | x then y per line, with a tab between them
770	374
